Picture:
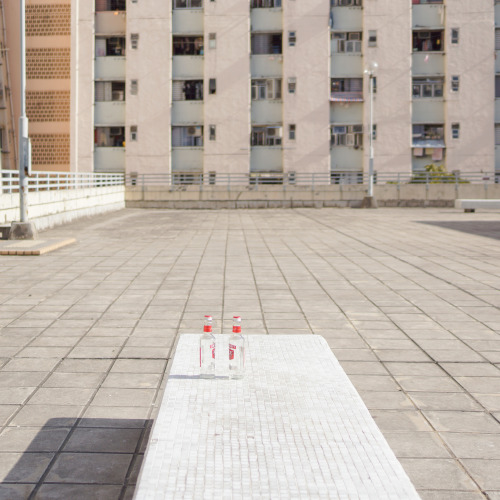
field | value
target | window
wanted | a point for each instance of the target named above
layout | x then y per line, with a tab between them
133	132
428	87
187	90
266	136
185	137
420	2
372	38
497	134
109	91
188	45
266	89
428	41
104	5
188	4
211	40
346	89
134	87
455	35
347	3
497	86
292	85
109	46
265	4
374	84
211	129
455	130
455	83
212	86
497	38
347	42
426	133
267	43
291	131
109	137
374	132
134	40
292	38
346	177
346	135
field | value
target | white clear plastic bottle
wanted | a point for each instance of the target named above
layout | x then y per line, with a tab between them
236	350
207	350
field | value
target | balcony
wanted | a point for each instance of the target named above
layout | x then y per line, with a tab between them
110	68
345	65
110	114
187	113
109	159
111	23
346	159
348	113
428	110
187	160
267	112
427	63
266	19
428	16
266	159
187	67
347	18
187	21
266	65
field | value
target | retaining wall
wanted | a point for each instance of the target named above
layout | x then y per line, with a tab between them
276	196
50	208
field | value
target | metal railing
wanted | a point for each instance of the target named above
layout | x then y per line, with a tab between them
47	181
311	180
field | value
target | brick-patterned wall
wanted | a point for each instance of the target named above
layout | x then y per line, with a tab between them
48	106
47	63
50	149
48	20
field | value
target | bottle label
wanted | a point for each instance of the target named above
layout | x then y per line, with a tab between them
232	348
213	350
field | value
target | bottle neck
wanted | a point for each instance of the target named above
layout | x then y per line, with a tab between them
237	329
207	329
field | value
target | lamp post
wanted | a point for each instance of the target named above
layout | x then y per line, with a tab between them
23	230
369	200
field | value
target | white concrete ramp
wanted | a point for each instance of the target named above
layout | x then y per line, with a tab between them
294	427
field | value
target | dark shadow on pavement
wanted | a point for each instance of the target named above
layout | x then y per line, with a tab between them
87	459
488	228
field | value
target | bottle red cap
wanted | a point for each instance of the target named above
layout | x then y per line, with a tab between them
236	324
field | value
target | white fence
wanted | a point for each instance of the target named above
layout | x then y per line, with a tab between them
46	181
59	197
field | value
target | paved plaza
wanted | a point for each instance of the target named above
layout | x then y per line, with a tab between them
408	300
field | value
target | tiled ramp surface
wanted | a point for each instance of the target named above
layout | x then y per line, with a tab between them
294	427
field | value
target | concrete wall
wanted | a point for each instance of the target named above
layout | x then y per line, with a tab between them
273	196
50	208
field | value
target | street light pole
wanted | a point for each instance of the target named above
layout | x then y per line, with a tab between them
370	201
23	229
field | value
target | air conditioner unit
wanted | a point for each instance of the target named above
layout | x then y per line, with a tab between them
424	34
355	36
115	130
194	131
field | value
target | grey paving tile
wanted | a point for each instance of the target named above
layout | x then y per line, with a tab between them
402	355
476	445
416	445
63	396
453	401
406	369
23	467
386	400
417	383
471	369
48	415
462	421
480	385
123	397
15	395
437	474
7	411
77	491
15	491
90	468
402	420
32	439
83	380
103	440
450	495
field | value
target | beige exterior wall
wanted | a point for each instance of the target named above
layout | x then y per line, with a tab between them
150	65
229	108
392	102
473	107
308	107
